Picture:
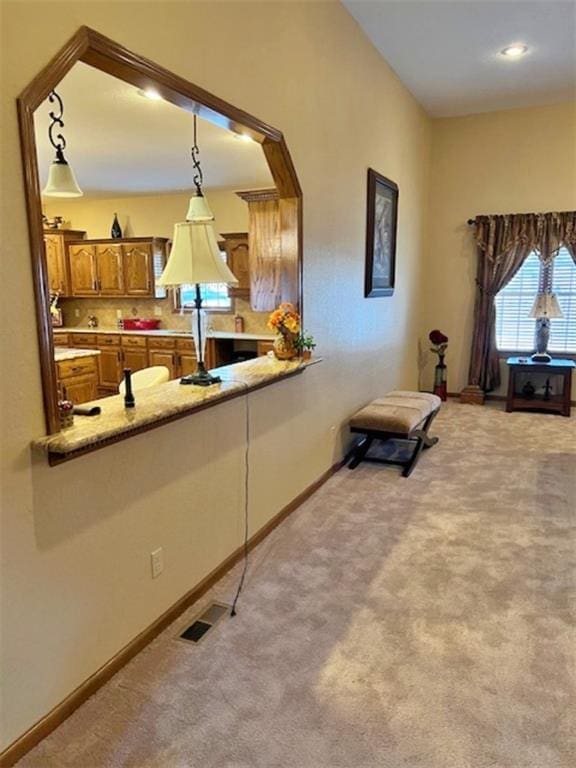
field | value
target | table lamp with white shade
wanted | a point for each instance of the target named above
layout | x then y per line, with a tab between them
544	309
195	259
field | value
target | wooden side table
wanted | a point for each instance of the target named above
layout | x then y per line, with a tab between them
523	369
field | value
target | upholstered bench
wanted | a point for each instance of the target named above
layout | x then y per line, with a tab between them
400	417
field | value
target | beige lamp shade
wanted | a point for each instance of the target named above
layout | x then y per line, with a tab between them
546	305
195	257
61	181
199	210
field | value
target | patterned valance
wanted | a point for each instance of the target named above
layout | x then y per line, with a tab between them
544	233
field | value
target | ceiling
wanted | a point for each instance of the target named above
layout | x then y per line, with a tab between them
119	142
447	52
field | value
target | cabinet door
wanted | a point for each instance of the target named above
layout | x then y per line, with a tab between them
186	363
110	367
83	270
237	252
137	269
164	357
109	270
135	359
81	389
264	347
55	258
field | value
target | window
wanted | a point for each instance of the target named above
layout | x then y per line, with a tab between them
514	329
214	295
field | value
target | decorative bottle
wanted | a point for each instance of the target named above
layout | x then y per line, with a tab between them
116	231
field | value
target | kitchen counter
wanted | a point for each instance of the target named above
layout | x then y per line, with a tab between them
167	332
161	404
69	353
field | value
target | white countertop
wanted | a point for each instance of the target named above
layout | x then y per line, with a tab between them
67	353
168	332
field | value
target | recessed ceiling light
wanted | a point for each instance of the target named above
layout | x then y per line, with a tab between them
150	93
514	51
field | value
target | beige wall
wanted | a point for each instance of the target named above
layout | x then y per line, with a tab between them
76	539
502	162
146	215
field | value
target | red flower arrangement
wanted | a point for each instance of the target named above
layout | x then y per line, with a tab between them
439	342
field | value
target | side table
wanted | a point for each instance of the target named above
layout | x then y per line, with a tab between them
555	399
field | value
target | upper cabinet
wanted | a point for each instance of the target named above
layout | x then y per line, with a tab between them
55	244
237	258
274	249
127	267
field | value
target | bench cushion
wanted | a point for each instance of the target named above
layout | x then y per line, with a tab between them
399	412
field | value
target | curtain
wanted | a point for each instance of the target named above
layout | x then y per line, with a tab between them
503	243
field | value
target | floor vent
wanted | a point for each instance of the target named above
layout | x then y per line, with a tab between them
199	628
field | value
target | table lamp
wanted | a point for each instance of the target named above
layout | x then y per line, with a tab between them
544	309
195	259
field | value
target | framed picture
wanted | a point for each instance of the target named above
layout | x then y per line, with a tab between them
381	221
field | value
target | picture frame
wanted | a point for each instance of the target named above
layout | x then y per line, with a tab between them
381	230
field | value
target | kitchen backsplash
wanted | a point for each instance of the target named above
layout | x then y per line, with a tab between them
76	312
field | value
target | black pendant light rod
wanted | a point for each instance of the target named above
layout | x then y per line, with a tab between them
195	152
58	142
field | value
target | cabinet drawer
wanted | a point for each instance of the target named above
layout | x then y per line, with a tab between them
109	340
162	342
80	366
60	339
185	345
134	341
83	339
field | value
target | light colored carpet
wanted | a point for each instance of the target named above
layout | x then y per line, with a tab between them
419	623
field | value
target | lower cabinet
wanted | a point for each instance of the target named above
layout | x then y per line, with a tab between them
134	353
263	347
78	379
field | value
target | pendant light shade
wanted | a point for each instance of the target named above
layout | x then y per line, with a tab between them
195	257
61	180
199	210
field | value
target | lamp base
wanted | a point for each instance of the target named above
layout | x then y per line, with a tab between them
201	378
541	357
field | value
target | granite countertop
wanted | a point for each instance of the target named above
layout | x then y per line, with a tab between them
165	402
69	353
168	332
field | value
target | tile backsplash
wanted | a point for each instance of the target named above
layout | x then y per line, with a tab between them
76	311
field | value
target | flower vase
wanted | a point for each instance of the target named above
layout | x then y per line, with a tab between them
284	346
440	387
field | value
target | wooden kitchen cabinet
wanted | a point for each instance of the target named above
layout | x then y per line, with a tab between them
134	353
110	368
55	244
109	270
78	379
263	347
162	351
237	258
127	267
83	278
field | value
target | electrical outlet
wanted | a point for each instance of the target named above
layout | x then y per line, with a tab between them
76	313
157	562
119	314
157	311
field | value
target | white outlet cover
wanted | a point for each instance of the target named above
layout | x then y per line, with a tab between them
157	311
157	562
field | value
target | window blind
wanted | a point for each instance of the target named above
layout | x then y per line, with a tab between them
563	330
515	331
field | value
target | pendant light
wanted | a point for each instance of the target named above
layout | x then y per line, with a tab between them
61	180
195	259
198	210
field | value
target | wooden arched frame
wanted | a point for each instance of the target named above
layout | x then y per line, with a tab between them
104	54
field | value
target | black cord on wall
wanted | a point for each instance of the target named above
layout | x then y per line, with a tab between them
246	500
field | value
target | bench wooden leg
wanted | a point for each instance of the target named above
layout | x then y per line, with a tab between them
360	452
